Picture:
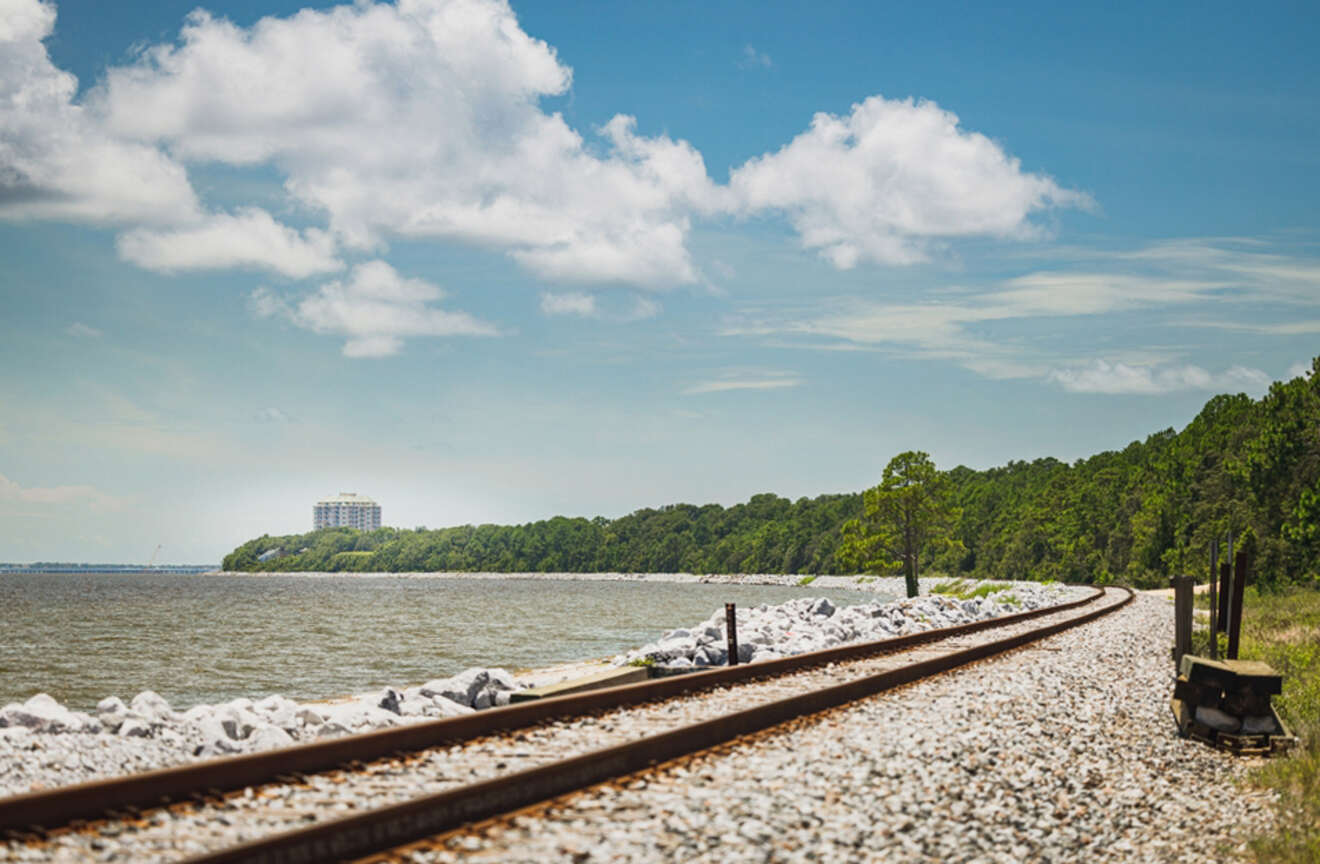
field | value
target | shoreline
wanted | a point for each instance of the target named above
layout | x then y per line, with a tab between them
856	582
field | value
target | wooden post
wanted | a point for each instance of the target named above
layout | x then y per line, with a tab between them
1182	617
1241	564
1214	600
731	626
1225	586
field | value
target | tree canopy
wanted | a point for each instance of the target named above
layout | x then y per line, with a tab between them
1134	515
909	513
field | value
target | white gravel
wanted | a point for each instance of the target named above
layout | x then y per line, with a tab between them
1064	751
806	624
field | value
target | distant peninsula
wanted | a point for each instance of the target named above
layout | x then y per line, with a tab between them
1134	515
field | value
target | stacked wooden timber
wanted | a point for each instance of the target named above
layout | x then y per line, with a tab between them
1226	704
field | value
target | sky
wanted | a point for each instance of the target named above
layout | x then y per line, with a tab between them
493	262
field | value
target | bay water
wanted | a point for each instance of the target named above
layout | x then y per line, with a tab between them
209	638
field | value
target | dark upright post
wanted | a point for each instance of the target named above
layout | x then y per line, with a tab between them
731	625
1240	567
1214	600
1182	617
1225	586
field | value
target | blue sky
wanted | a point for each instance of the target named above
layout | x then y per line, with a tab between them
487	262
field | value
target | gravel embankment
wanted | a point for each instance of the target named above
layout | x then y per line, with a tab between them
165	835
1064	751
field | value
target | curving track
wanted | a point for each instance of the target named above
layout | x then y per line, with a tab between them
430	778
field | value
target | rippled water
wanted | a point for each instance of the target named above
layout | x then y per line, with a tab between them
81	637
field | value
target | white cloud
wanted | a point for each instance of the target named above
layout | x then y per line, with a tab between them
423	119
945	329
725	383
1121	378
1226	284
891	178
82	331
271	414
569	303
753	59
1298	370
582	305
55	495
1305	327
375	308
419	119
643	308
249	238
56	159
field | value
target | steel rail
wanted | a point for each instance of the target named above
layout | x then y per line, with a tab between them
398	825
36	812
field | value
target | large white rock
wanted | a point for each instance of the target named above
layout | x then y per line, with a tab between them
332	729
152	706
269	738
42	713
309	716
359	715
442	707
134	728
111	705
462	688
275	704
388	700
822	607
237	721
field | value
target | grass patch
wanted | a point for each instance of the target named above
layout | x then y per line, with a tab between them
1283	629
964	590
953	586
806	580
644	662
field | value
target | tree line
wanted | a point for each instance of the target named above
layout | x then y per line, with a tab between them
1134	515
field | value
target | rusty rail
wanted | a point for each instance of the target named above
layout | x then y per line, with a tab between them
397	825
53	808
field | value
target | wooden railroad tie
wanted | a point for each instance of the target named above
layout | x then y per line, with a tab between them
1226	704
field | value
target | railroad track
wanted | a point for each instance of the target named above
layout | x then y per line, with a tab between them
302	804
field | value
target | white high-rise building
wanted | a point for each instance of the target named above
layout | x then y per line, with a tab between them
347	509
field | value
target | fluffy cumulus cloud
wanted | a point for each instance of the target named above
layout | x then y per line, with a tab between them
420	119
250	238
57	161
884	182
375	309
1101	376
423	118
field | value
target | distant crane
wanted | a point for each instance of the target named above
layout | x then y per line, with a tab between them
152	562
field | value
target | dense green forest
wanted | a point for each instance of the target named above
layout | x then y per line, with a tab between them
1133	515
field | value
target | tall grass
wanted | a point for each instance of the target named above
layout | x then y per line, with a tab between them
1283	629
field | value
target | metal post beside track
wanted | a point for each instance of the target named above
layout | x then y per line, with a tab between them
731	625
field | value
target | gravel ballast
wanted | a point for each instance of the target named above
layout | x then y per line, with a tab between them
1063	751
